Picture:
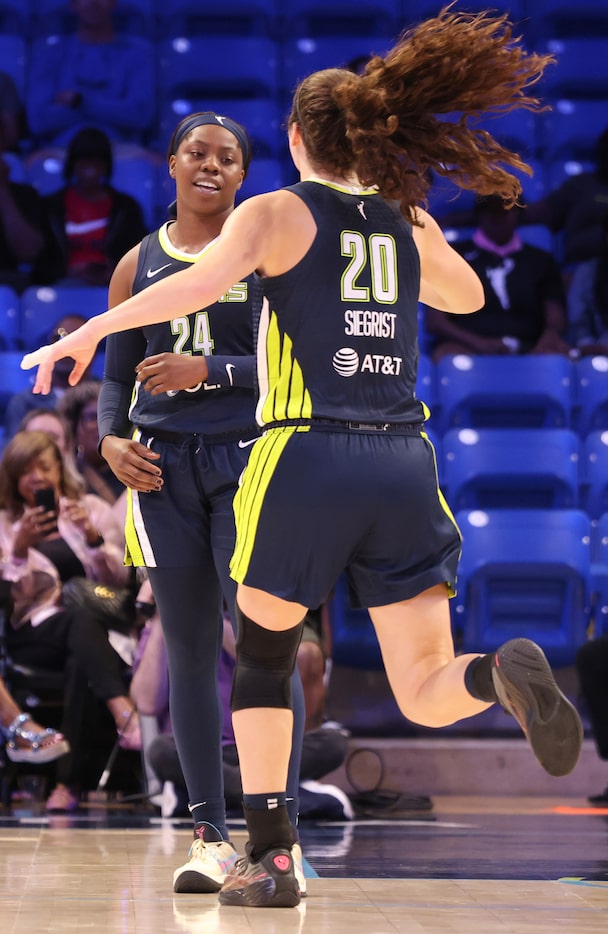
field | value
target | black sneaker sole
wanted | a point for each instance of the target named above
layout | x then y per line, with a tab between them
193	883
263	884
284	899
526	688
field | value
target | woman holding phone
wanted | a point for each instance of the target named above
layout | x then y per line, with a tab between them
50	533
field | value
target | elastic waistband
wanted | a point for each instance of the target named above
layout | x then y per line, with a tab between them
183	437
330	424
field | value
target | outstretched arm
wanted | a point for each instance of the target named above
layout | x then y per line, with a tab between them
240	249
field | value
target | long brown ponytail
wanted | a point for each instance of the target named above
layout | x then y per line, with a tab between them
415	111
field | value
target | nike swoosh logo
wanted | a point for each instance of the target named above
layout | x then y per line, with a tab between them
229	368
245	444
154	272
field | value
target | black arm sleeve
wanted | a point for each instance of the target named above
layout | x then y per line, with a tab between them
123	352
231	371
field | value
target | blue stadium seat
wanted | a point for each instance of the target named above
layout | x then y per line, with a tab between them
581	68
44	170
444	197
231	17
15	16
600	575
524	573
517	9
519	130
136	175
594	498
563	20
16	168
363	18
12	378
571	128
538	235
218	67
353	638
527	391
511	468
590	394
564	166
10	322
132	17
425	383
43	306
13	58
533	186
304	55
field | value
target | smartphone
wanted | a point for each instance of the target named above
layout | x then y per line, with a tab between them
46	497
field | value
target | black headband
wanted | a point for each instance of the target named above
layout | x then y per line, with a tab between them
204	119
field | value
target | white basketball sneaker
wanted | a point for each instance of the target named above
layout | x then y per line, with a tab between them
206	868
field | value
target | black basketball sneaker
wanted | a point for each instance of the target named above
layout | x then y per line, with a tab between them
268	883
526	688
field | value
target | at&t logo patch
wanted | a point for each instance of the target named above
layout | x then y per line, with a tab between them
346	361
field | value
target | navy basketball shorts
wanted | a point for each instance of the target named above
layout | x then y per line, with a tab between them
192	516
314	502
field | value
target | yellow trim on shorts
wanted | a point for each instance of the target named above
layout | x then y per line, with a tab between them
442	500
249	498
133	554
134	551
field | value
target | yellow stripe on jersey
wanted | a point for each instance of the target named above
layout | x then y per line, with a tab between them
283	393
249	498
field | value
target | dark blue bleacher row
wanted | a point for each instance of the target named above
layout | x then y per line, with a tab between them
247	56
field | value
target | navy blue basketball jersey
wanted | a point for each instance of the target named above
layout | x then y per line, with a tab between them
223	332
338	335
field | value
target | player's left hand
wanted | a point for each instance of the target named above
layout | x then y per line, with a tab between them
78	345
169	372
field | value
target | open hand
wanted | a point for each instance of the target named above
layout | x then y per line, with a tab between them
79	345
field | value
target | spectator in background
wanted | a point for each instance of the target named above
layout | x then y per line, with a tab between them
41	551
592	669
28	252
576	209
93	223
94	76
12	114
56	426
588	302
25	401
52	423
525	306
26	740
79	407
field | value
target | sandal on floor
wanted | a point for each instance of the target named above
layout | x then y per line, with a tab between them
42	746
62	799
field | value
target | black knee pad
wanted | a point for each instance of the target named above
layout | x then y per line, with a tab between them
264	664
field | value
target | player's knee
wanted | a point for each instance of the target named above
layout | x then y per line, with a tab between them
264	664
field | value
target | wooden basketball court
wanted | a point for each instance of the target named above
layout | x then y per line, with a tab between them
474	865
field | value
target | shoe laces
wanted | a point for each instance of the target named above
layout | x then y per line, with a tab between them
206	850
